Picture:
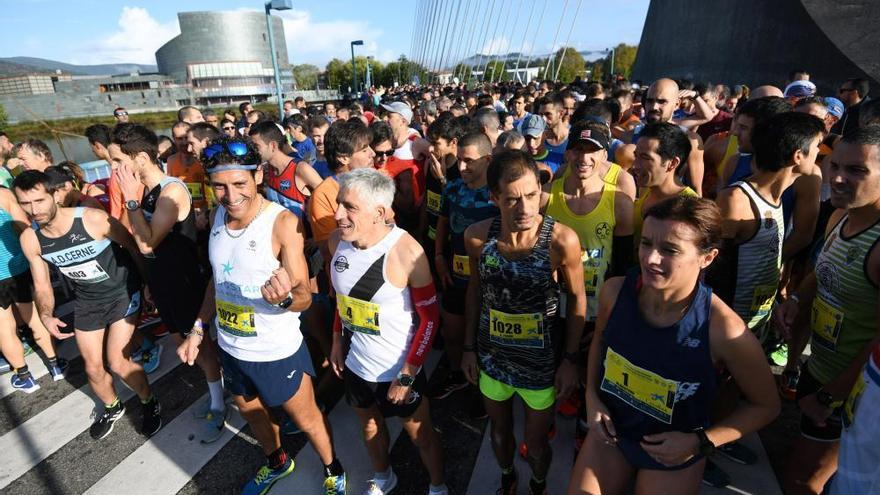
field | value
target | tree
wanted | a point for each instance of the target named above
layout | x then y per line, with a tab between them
463	72
339	72
306	76
566	65
3	116
495	71
624	58
401	71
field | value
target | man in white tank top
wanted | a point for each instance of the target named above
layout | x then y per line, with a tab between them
387	305
260	286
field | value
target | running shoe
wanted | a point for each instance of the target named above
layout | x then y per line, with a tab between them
212	425
335	485
5	367
379	486
738	453
714	476
779	357
451	383
58	371
537	488
103	425
152	420
266	477
508	483
25	383
440	490
150	358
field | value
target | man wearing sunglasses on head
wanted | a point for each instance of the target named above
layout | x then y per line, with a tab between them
163	226
259	288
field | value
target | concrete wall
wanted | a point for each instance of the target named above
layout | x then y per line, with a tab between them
758	42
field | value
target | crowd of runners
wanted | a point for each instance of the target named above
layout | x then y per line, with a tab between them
634	256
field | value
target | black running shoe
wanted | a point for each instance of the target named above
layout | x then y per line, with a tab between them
103	424
451	383
152	417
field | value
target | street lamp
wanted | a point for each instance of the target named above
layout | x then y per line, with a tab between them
354	71
276	5
612	63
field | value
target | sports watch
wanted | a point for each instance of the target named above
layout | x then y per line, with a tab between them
405	380
286	302
132	204
706	448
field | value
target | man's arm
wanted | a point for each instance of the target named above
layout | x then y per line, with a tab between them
99	224
806	209
721	275
695	162
404	199
44	295
702	114
10	204
306	175
568	250
287	232
172	203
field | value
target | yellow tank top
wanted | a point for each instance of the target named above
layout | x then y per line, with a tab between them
732	149
638	216
595	230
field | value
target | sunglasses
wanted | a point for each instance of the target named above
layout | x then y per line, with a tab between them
120	114
234	148
386	154
228	128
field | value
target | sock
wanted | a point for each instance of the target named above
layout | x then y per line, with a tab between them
53	361
22	372
508	476
113	404
216	391
333	469
147	400
438	488
277	459
538	486
383	475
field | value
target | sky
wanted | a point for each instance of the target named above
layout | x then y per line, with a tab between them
127	31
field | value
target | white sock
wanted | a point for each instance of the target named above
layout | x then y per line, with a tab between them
384	476
216	391
438	488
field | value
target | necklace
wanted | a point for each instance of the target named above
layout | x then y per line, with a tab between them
241	233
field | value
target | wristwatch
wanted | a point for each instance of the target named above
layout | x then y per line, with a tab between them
284	304
132	204
405	380
707	448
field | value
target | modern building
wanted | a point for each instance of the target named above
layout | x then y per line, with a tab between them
31	84
225	56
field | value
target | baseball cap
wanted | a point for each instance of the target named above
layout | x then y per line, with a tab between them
835	106
799	89
534	126
586	132
400	108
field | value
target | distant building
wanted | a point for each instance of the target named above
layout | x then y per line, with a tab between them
30	84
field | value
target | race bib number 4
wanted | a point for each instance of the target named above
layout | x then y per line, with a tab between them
358	315
825	321
461	266
522	330
90	272
236	319
638	387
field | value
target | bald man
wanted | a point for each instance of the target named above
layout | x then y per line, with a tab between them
662	100
767	90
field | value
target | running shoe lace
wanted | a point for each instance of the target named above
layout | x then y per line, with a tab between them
262	474
330	485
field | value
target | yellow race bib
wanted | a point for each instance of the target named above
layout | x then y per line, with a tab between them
522	330
196	190
762	299
649	393
235	319
825	321
849	407
358	315
434	201
461	266
432	233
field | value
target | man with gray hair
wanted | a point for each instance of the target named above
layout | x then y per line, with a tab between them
489	123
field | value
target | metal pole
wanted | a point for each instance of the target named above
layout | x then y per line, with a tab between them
612	64
354	73
275	65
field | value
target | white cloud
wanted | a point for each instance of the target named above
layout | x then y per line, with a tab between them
316	42
136	41
495	46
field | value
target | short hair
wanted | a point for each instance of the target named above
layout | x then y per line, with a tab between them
591	110
299	98
208	113
371	184
485	101
30	179
671	141
62	173
261	115
98	133
860	84
186	112
775	140
869	113
381	132
477	139
508	166
762	109
594	90
508	137
135	138
203	130
224	157
811	100
488	118
268	131
179	124
446	127
242	106
343	139
428	107
700	214
288	101
794	74
163	138
38	147
864	136
295	120
226	121
316	121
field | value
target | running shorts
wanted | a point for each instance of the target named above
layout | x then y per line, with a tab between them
91	316
275	382
538	400
362	394
16	288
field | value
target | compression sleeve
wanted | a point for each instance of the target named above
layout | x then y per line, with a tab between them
425	304
337	322
621	255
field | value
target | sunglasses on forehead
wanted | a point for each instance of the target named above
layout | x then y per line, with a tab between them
234	148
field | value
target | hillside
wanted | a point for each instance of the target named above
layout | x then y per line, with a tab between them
22	65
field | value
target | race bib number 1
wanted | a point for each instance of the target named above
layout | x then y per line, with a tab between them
235	319
640	388
358	315
522	330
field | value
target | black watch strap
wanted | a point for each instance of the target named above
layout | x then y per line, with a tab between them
707	448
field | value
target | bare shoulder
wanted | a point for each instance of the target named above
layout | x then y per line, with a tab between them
724	323
479	230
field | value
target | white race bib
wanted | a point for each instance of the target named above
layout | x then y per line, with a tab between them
89	272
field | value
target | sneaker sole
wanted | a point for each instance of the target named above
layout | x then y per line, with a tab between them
446	393
279	477
112	424
392	488
28	390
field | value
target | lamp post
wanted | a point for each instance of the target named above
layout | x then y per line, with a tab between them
276	5
354	71
611	76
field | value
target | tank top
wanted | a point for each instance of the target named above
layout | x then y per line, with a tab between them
99	270
281	188
193	177
520	336
595	230
639	213
249	328
464	206
555	154
403	159
844	314
434	198
743	169
12	259
732	149
655	380
378	315
759	262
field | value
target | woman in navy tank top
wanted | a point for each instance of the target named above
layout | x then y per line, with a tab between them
660	335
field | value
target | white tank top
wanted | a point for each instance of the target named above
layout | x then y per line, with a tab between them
378	315
249	328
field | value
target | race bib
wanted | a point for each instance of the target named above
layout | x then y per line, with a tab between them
235	319
89	272
849	407
432	233
196	190
762	299
358	315
434	201
461	265
649	393
522	330
825	321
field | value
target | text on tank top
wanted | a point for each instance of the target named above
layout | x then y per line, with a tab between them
281	188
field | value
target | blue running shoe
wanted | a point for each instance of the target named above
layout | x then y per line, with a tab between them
59	369
266	477
212	425
5	367
28	350
334	485
25	383
150	358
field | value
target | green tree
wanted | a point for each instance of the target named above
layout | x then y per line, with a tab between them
306	76
3	117
401	71
339	72
597	69
496	71
565	65
463	72
624	58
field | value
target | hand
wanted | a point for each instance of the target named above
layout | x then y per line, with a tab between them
278	287
599	421
442	271
566	379
52	324
672	447
128	183
188	351
202	221
434	164
397	393
337	357
812	409
686	93
469	366
784	315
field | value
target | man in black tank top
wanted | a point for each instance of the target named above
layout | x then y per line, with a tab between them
84	244
163	225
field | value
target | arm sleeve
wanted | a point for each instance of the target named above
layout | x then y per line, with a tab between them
425	304
721	275
621	255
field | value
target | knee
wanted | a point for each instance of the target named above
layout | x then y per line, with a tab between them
119	365
424	437
252	412
95	369
501	434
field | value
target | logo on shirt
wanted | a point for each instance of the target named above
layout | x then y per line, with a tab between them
285	185
340	264
603	230
75	237
852	254
252	245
